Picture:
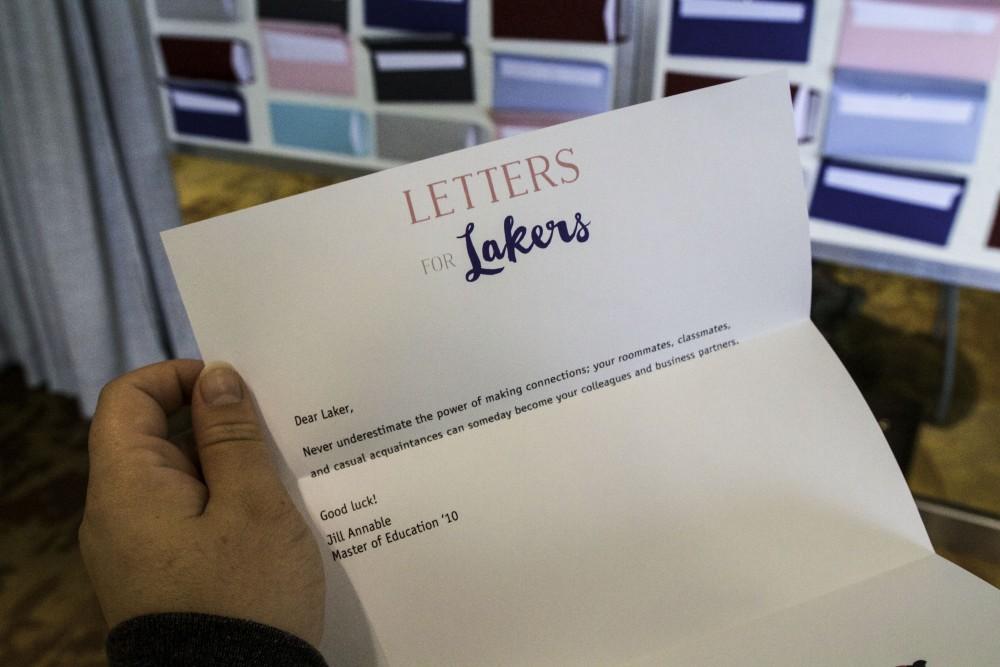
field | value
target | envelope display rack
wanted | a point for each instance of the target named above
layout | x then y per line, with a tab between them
897	108
896	102
374	83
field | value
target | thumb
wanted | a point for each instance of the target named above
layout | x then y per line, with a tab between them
235	462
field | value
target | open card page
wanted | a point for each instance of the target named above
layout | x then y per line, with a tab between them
556	399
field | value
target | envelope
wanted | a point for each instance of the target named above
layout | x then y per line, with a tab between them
549	84
805	100
805	112
226	60
198	10
218	113
948	39
676	83
421	70
410	138
756	29
346	131
904	116
307	56
327	12
994	240
580	21
445	16
512	123
906	204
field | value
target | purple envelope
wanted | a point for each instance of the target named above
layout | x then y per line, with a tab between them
307	56
938	38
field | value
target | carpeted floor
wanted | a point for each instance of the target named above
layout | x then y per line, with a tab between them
880	325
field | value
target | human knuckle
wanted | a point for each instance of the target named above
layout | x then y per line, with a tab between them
214	434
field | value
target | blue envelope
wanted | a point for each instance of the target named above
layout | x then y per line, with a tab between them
322	128
218	113
548	84
908	204
445	16
756	29
903	116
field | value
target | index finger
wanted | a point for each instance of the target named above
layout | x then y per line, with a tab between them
136	405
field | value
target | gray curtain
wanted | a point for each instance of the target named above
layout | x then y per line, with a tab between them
85	189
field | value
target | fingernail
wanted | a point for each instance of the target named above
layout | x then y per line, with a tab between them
221	385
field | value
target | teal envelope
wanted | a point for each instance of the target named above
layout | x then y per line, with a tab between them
322	128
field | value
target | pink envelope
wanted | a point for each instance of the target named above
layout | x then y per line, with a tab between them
306	56
511	123
931	37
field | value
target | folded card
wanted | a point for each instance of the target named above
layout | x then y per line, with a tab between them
906	204
805	100
556	399
932	37
903	116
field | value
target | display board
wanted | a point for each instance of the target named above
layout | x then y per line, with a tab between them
897	113
895	100
375	83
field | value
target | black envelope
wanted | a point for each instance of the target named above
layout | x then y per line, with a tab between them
331	12
224	60
421	70
209	111
573	20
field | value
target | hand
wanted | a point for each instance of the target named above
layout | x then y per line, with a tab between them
209	530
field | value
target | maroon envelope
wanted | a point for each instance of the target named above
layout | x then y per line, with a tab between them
678	82
573	20
994	241
225	60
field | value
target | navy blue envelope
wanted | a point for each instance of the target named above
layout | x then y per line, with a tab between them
419	15
218	113
328	12
755	29
908	204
